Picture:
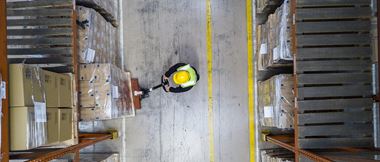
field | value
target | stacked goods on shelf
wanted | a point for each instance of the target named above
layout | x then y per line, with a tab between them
275	48
107	8
105	92
28	123
276	102
59	99
98	39
41	107
276	155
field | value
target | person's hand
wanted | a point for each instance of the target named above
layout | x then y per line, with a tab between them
165	80
167	87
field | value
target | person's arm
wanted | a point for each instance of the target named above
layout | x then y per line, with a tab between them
173	69
179	89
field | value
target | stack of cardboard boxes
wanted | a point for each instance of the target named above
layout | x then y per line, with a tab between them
105	89
276	102
41	107
105	92
97	38
274	45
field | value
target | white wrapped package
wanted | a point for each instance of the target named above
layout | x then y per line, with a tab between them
98	39
105	92
276	102
28	127
276	35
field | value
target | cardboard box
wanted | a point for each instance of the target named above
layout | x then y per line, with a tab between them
87	94
25	81
276	102
52	125
90	114
65	124
25	132
65	94
51	88
99	72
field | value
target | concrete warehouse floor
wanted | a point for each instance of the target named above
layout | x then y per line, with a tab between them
174	127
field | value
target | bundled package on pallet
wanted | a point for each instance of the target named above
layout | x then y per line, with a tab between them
276	102
276	39
28	119
276	155
98	39
105	92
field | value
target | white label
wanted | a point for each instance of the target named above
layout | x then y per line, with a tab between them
40	112
268	112
115	92
263	49
90	55
3	91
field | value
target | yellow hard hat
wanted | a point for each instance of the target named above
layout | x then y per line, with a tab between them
181	77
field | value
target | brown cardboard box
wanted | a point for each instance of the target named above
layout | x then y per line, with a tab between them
51	88
276	102
25	132
99	72
65	95
25	81
90	114
87	94
98	42
52	125
65	124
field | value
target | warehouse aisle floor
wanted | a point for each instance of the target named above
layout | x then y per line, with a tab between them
174	127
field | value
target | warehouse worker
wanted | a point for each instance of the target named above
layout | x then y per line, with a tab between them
184	77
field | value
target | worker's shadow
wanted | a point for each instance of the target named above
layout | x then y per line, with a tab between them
187	54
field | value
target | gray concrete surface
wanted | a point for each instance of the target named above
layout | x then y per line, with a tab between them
174	127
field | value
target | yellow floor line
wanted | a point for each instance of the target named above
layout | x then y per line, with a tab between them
251	98
209	80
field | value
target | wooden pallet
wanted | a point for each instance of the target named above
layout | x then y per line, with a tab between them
41	32
333	67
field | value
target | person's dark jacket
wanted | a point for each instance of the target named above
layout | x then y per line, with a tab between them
172	70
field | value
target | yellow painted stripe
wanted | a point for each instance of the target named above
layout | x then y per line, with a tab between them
251	98
209	80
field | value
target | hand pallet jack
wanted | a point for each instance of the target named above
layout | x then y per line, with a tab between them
144	93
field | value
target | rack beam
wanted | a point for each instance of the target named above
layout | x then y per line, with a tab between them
4	74
287	142
42	155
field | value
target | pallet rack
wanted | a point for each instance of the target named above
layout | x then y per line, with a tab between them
59	51
352	144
